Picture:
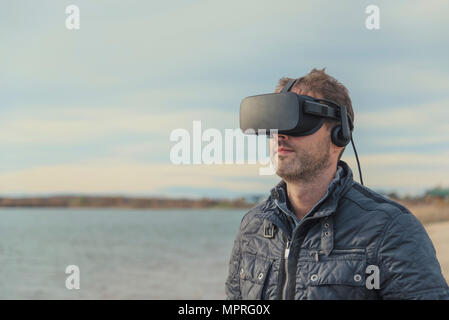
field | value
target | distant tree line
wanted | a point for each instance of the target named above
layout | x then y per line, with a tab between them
435	195
438	194
121	202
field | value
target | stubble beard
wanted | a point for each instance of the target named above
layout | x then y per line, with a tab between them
303	166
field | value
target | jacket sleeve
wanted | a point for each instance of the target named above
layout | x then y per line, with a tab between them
232	286
407	260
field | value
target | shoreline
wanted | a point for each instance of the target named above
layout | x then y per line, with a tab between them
123	202
426	210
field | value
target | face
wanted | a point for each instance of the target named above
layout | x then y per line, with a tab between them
303	158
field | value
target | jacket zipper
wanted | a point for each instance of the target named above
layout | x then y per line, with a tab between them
286	253
348	251
317	253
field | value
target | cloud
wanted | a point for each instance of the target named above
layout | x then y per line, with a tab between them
123	176
402	171
56	126
412	125
395	160
116	45
422	115
397	78
132	178
135	72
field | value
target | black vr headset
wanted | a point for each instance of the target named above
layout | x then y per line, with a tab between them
295	115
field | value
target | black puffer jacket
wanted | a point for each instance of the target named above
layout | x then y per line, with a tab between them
326	256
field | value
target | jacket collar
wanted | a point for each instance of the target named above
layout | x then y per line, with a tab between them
327	205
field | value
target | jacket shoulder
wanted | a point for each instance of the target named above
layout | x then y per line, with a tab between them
369	201
258	210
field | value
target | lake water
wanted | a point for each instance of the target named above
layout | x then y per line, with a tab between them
121	253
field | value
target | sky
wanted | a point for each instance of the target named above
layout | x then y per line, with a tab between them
90	111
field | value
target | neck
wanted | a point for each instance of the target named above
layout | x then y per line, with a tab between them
303	196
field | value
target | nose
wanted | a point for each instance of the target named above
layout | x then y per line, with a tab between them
278	136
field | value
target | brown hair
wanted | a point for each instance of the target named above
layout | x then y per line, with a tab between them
321	85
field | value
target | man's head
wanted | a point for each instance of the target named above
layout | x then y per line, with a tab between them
304	157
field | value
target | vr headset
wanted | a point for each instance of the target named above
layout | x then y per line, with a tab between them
295	115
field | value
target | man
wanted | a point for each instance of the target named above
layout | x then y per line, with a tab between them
321	235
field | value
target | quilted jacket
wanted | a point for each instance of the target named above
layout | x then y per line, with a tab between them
353	244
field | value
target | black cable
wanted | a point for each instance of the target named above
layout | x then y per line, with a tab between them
358	163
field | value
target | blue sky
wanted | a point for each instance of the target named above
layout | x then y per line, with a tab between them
91	111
